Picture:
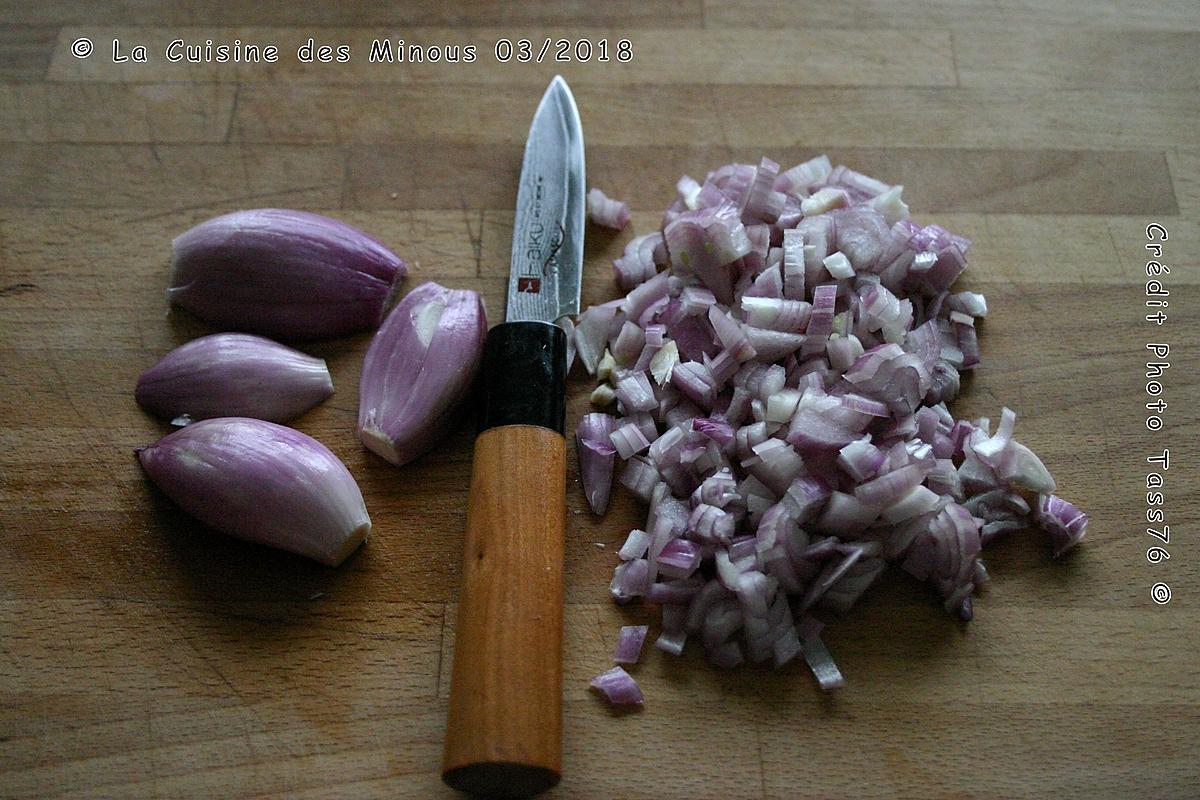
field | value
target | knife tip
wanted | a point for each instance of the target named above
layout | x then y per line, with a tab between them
557	92
559	83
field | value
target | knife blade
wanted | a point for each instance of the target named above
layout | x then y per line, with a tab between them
547	246
504	724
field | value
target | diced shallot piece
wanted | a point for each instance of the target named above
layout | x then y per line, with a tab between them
596	458
618	687
1065	523
605	211
629	644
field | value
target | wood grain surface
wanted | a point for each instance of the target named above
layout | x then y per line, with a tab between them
143	656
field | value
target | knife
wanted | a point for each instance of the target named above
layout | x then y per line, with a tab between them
504	728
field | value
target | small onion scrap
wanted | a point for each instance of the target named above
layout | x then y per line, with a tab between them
605	211
629	644
596	457
618	687
781	389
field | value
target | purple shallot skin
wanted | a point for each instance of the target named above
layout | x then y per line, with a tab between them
418	370
261	482
234	375
283	273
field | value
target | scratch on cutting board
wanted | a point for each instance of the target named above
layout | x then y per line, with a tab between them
18	288
243	701
720	118
69	396
476	238
233	110
762	769
235	199
437	686
1117	253
237	693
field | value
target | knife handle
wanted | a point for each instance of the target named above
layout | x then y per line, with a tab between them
504	729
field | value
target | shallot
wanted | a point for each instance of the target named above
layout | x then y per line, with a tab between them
418	369
233	375
262	482
781	394
282	273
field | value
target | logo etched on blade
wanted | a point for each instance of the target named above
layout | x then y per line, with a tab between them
533	245
535	263
529	285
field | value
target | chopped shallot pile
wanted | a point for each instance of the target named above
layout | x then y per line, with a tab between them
780	369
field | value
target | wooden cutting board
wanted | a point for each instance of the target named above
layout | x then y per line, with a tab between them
143	656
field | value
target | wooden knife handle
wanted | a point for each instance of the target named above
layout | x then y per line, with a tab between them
504	730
